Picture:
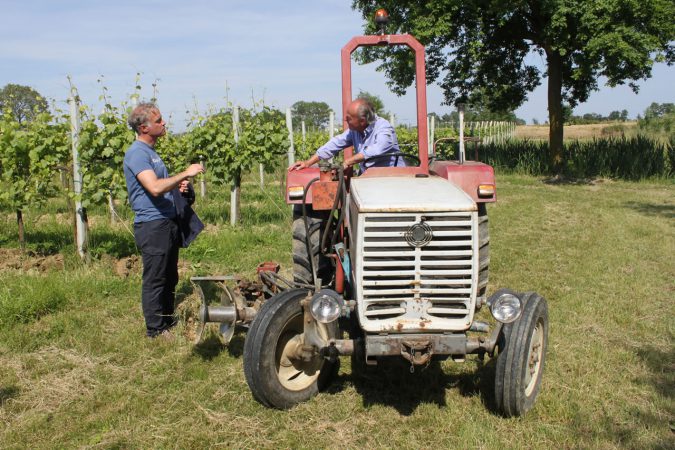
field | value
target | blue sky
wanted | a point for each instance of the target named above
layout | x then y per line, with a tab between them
279	51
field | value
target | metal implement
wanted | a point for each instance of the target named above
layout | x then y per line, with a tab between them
225	314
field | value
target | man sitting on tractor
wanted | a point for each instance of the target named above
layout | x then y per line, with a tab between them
372	137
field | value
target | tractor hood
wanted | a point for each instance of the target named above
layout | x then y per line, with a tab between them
408	193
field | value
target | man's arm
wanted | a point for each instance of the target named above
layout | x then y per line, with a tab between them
355	159
158	186
328	150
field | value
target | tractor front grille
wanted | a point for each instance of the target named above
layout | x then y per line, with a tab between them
403	284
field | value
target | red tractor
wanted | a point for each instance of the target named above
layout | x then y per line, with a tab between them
391	264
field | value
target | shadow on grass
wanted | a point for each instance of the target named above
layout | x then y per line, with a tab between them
212	346
116	244
392	384
651	209
630	434
209	348
566	180
7	393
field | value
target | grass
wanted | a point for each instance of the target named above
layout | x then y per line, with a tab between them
80	374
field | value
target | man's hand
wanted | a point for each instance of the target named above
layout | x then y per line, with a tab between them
184	186
298	165
193	170
304	164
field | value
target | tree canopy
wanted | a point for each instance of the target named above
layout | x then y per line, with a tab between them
374	100
315	114
24	102
480	51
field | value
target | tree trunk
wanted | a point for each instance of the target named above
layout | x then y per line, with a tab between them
555	110
19	221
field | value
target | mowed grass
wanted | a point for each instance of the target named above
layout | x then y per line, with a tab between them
79	373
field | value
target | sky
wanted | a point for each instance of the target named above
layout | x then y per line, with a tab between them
202	54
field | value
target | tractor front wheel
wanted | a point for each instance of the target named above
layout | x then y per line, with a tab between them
277	376
522	352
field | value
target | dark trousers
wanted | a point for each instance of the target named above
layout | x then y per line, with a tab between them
158	241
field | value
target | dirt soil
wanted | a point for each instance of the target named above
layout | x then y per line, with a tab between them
15	259
126	266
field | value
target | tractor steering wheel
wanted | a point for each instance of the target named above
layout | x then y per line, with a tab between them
415	158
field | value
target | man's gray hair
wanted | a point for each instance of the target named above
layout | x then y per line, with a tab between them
141	115
366	110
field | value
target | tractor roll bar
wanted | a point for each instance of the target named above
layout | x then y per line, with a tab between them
420	82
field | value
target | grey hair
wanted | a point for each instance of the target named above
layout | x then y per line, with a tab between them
366	110
141	115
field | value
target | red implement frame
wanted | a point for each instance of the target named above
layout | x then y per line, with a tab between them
421	86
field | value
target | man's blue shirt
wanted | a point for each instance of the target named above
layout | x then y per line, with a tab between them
379	138
139	157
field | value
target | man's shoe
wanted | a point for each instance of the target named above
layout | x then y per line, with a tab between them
167	335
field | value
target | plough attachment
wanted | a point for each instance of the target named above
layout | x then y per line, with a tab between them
231	301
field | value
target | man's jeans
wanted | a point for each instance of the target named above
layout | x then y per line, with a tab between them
158	241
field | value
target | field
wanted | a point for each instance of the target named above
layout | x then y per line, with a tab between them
595	130
77	372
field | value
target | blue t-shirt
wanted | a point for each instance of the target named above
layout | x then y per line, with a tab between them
139	157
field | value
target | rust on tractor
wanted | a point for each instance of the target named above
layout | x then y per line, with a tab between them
324	194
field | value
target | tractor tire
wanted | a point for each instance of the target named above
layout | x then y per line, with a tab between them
522	352
302	269
484	249
276	377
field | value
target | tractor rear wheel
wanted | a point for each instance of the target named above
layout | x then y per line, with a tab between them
522	352
302	269
277	377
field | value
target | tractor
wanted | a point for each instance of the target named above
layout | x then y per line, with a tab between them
390	264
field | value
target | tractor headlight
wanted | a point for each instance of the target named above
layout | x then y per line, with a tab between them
505	306
296	192
326	306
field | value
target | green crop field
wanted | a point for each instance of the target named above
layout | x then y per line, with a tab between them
77	372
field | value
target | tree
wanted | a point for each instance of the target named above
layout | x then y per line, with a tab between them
376	101
480	48
656	110
315	114
24	102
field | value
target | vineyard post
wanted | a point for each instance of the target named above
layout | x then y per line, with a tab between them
261	169
392	120
462	156
429	146
202	178
80	212
304	137
291	149
432	132
331	124
236	179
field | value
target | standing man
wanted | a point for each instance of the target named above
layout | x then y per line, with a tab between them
370	135
156	230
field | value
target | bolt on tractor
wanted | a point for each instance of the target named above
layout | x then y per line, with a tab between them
389	264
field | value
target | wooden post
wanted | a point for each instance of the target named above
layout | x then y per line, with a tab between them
462	155
304	137
80	213
429	146
291	149
392	120
432	135
331	124
202	179
236	181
